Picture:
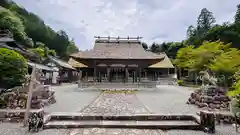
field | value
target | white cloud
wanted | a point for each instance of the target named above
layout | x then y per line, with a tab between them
155	20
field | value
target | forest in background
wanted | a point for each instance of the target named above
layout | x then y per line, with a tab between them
31	31
206	29
208	46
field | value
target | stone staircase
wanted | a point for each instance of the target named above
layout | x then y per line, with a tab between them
118	85
138	121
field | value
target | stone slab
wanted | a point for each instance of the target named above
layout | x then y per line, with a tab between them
137	117
125	124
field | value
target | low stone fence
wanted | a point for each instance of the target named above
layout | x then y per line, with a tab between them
167	81
16	115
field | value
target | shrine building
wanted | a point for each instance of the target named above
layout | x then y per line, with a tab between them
117	59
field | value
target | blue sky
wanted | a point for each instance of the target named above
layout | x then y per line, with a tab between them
154	20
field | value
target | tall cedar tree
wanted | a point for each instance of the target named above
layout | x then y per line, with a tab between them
205	20
237	16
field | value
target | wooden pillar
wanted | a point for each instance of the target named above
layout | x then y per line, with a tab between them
139	80
99	76
29	99
108	74
175	71
126	74
146	73
80	79
94	72
180	73
134	76
207	121
80	75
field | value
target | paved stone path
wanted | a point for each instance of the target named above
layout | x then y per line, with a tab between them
119	103
166	99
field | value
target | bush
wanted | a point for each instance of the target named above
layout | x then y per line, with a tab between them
180	82
13	68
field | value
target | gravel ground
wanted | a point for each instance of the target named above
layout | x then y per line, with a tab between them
69	99
166	99
172	99
115	104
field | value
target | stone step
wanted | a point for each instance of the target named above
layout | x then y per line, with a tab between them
65	116
188	125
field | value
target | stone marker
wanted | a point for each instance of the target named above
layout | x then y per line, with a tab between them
207	121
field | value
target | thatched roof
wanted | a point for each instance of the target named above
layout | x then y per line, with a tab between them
165	63
6	39
117	49
60	62
76	64
40	66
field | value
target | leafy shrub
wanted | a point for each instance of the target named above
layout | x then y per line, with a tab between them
180	82
13	68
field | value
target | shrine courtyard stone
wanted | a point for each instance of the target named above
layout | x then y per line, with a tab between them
165	99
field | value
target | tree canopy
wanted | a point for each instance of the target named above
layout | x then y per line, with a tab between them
13	68
216	56
28	29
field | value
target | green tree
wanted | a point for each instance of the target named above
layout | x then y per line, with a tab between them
12	23
144	45
38	31
200	58
13	68
206	53
156	48
42	50
173	48
235	90
227	62
185	57
39	51
237	16
190	31
205	20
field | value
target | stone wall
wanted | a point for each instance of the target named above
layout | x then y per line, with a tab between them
214	99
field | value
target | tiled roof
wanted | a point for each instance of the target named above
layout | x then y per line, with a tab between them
121	49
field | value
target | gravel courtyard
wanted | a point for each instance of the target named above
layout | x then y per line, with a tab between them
165	99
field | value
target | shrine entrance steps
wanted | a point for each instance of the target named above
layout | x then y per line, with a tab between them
113	86
138	121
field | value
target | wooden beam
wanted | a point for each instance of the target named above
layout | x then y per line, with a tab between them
108	37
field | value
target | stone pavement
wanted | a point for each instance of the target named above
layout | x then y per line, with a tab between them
115	104
166	99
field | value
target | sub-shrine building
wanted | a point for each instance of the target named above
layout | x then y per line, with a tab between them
115	59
